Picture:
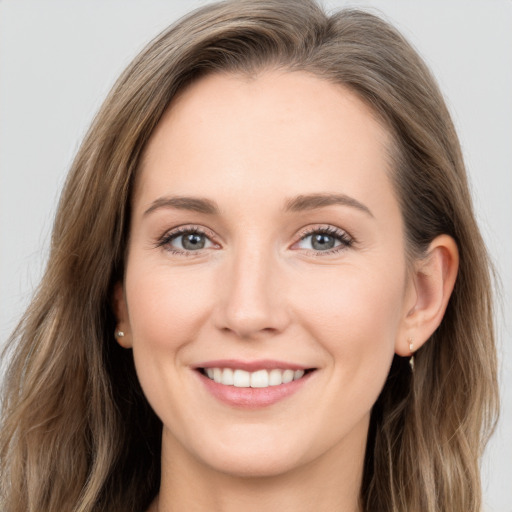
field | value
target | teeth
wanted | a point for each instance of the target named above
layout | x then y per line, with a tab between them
288	376
275	377
241	379
227	377
257	379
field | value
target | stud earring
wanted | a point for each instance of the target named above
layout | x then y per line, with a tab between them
411	359
119	334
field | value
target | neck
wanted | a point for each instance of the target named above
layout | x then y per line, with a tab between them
332	482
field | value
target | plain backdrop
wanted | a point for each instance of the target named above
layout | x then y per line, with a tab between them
58	60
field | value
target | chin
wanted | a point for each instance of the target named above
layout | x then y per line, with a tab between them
257	466
245	458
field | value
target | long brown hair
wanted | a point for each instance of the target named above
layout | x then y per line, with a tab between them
77	433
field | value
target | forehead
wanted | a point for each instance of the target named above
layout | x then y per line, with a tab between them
275	132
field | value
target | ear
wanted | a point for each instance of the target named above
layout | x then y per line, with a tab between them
429	290
122	319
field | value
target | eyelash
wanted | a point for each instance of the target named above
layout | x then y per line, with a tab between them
345	240
168	237
343	237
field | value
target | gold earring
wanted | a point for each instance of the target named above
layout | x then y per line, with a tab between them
411	359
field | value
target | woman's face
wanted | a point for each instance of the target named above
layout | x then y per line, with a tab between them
266	242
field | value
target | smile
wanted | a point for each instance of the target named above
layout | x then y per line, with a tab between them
252	384
257	379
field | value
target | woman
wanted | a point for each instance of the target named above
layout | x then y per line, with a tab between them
265	270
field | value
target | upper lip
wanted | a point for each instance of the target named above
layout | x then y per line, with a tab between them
251	366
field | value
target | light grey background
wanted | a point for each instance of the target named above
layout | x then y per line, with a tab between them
58	59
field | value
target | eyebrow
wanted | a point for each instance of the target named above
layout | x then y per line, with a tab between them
194	204
295	204
313	201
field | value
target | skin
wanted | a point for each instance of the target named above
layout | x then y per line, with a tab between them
259	289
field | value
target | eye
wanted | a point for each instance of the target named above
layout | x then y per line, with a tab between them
328	239
190	241
185	240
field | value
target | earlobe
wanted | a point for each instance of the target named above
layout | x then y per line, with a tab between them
122	330
433	280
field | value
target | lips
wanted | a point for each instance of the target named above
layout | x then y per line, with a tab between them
252	384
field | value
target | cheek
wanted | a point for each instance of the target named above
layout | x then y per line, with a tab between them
354	314
167	306
352	300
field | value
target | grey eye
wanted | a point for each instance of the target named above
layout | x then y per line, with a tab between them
322	242
191	241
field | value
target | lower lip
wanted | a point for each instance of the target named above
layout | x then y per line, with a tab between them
252	398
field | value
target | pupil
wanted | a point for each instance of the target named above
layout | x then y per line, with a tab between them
322	242
193	241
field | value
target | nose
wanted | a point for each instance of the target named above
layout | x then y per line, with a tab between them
252	296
